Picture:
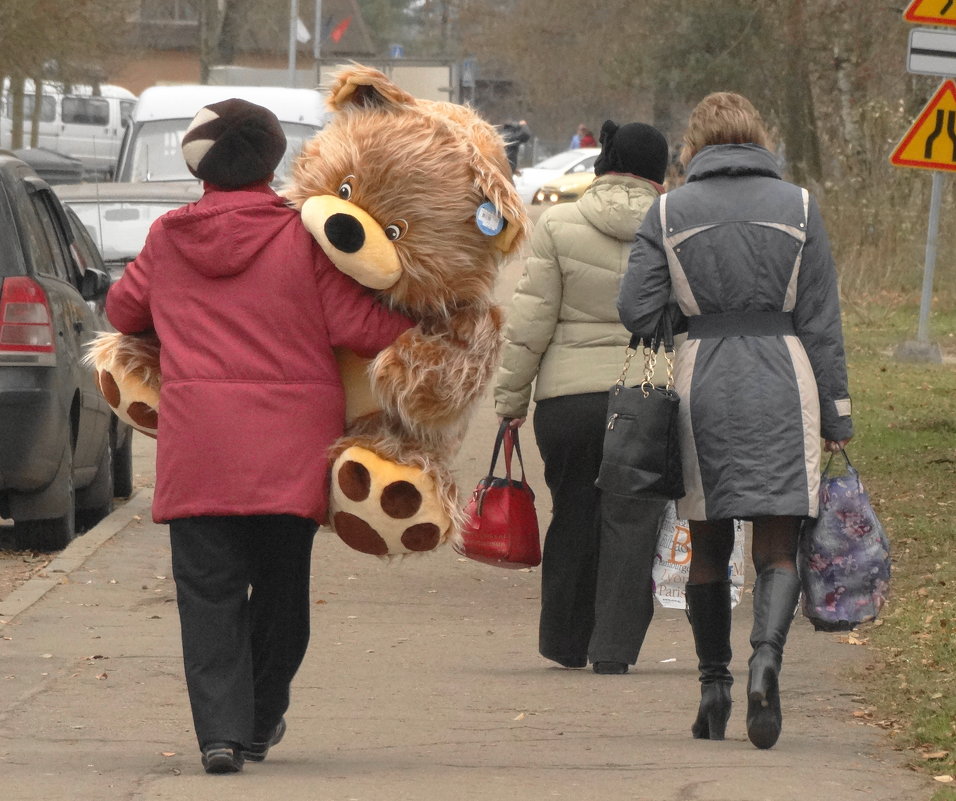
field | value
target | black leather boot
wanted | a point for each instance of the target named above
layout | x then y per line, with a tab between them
708	609
775	598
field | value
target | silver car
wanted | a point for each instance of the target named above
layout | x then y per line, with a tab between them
529	180
118	215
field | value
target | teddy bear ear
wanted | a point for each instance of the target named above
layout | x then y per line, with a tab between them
364	87
493	179
513	234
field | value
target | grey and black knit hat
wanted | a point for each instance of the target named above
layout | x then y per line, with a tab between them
233	143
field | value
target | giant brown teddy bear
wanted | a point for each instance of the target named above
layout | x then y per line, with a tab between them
414	199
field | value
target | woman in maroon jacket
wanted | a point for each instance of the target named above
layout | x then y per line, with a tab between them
247	308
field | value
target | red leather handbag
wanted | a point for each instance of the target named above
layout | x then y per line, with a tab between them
501	525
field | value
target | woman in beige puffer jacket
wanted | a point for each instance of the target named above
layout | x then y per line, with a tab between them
563	334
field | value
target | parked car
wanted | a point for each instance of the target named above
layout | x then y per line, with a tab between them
152	147
531	179
565	189
118	215
63	455
52	167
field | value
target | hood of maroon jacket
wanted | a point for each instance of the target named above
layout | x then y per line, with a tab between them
224	234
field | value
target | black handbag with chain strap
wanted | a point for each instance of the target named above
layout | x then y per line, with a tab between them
641	446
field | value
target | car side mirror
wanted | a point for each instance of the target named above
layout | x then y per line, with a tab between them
95	284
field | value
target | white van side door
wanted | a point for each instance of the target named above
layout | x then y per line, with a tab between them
88	130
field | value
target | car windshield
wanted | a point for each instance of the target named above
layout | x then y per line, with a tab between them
157	153
560	161
119	228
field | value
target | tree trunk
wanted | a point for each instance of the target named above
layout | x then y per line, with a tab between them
210	29
16	112
663	112
37	112
799	122
234	18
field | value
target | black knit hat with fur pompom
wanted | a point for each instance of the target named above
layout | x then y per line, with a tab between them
633	148
233	143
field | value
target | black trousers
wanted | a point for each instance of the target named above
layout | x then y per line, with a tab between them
242	587
596	590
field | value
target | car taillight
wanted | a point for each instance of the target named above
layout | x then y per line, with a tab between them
26	327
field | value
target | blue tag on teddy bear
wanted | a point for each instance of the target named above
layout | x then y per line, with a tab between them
489	219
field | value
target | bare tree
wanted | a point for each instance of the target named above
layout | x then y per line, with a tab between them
796	111
234	17
210	32
68	43
563	62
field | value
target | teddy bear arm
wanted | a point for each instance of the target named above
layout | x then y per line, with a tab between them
431	379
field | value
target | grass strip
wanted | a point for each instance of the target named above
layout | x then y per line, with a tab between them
905	450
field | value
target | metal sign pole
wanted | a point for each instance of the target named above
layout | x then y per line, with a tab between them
293	42
936	199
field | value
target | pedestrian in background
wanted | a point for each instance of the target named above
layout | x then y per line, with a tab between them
564	336
515	134
762	377
586	138
576	137
247	309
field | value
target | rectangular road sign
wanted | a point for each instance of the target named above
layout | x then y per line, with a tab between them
932	51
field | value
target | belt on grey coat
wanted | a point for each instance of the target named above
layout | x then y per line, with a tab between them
740	324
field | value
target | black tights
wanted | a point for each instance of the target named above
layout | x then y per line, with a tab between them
712	541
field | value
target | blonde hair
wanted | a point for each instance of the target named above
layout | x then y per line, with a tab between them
723	118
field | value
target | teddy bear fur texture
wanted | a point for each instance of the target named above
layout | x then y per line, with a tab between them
391	189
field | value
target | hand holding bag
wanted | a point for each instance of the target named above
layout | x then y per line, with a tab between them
641	448
501	525
843	559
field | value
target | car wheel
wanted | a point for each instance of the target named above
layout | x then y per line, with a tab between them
123	467
53	534
95	502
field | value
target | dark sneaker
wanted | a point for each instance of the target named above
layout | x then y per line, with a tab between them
610	668
257	751
222	758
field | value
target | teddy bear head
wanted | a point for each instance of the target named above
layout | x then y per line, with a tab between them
410	197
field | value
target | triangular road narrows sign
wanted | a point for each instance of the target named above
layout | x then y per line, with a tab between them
935	12
931	142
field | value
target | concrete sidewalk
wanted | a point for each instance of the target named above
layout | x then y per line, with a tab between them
422	682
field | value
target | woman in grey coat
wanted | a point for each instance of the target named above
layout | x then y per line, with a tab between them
744	258
563	334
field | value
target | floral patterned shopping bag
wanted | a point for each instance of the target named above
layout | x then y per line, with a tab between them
843	558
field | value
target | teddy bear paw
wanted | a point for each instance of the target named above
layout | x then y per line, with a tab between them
128	406
125	368
383	508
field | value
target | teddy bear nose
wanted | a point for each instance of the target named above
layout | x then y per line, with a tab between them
345	232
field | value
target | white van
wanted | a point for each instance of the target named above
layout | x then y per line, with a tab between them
151	149
84	122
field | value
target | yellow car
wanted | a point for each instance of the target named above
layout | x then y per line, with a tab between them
564	189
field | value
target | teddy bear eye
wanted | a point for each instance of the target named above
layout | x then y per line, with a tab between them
345	190
396	230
